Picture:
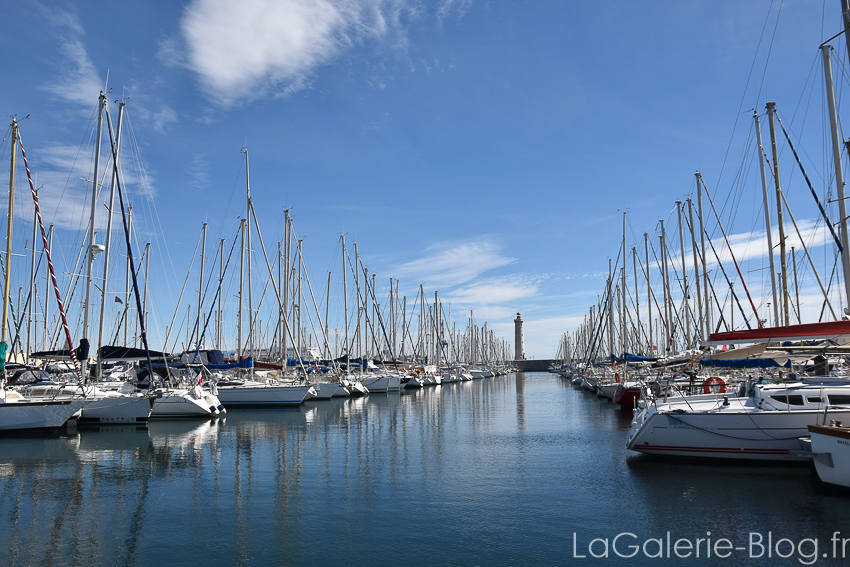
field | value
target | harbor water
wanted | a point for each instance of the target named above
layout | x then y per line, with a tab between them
522	469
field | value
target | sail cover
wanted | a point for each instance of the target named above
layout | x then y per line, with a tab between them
128	353
81	352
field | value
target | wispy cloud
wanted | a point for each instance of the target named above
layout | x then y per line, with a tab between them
494	291
64	175
450	264
449	8
198	171
751	245
157	119
78	80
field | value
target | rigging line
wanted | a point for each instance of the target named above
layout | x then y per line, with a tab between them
73	165
681	287
217	292
141	314
180	299
663	283
737	267
50	265
761	85
147	197
829	286
731	287
26	306
12	323
710	282
591	347
809	183
126	311
805	248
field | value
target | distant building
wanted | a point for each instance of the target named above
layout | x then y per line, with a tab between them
518	341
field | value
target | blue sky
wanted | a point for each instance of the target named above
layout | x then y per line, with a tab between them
485	149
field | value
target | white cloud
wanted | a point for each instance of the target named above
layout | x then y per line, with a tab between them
496	291
244	50
450	264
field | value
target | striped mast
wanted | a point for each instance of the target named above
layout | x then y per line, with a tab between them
50	264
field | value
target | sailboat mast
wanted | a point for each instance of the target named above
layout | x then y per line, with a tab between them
286	275
7	279
667	322
327	327
684	278
437	341
623	339
698	323
91	245
220	279
99	368
359	307
839	174
278	330
403	325
248	250
771	109
345	302
705	280
201	284
241	286
299	336
32	284
637	303
762	158
144	312
610	310
45	339
648	294
127	282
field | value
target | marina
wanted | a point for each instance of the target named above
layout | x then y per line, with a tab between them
513	468
400	283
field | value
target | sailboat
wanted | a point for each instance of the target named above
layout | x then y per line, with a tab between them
17	413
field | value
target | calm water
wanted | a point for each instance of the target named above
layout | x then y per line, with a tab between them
503	471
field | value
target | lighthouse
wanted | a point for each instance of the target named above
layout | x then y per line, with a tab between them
518	341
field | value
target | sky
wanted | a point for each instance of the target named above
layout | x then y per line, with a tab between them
486	150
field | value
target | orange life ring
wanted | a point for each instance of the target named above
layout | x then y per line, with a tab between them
616	378
712	381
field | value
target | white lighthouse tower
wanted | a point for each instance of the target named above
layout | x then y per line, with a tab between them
519	344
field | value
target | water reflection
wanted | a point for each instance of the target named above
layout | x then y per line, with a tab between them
508	466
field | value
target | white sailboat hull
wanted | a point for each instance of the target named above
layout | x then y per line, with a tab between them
185	403
128	410
381	384
263	395
739	430
326	390
28	416
833	442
